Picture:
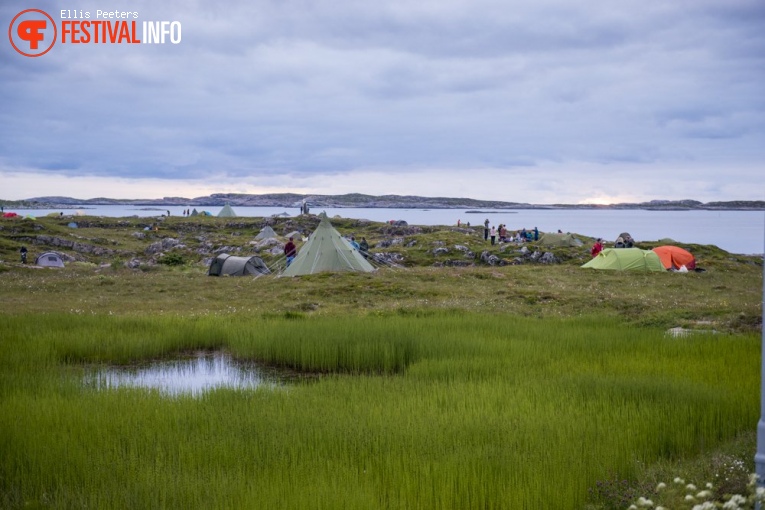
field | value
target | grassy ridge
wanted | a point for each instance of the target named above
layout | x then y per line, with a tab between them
427	410
725	298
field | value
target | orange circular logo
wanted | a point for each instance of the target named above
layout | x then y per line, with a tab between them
32	32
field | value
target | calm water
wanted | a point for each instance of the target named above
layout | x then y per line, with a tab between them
187	376
733	231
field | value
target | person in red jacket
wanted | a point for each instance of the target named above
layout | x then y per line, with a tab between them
290	250
597	247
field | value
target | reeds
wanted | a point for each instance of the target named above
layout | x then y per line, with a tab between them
432	411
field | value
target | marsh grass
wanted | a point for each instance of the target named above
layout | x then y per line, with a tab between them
480	387
721	300
416	409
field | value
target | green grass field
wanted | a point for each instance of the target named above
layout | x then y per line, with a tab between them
483	387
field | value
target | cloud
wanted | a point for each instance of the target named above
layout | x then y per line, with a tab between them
295	92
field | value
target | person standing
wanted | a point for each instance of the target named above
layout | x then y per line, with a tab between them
290	250
493	235
536	234
597	247
23	254
486	229
364	247
354	244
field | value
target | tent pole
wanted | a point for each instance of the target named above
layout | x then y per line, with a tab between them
759	458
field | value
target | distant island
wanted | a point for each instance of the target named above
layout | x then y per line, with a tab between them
367	201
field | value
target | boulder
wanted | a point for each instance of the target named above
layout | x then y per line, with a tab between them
490	258
165	244
548	258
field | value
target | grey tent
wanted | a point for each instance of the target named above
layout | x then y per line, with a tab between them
326	250
194	212
225	264
49	259
266	233
226	212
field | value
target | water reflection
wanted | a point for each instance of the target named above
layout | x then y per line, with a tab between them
193	375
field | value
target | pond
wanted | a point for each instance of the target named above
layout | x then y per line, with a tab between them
187	376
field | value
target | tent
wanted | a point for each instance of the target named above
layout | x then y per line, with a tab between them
626	259
266	233
194	212
624	241
673	257
552	240
49	259
326	250
225	264
10	215
226	212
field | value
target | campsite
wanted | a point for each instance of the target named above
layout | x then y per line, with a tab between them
456	374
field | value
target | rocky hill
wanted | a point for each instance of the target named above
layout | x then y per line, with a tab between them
367	201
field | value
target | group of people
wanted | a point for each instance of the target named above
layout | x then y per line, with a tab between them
362	247
521	236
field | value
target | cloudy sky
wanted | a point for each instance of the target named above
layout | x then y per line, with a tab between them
541	101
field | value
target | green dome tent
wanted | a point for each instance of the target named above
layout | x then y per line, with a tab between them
226	212
552	240
626	259
326	250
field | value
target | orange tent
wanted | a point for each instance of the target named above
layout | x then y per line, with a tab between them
673	257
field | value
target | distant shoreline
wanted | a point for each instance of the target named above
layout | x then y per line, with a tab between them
289	200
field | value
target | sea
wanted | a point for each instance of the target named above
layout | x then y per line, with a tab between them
741	232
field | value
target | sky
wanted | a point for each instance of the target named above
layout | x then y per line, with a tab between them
536	101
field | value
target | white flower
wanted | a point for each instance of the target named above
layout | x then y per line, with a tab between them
704	494
734	502
709	485
661	486
690	498
678	480
632	507
690	487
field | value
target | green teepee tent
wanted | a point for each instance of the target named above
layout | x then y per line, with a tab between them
226	212
326	250
626	259
266	233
